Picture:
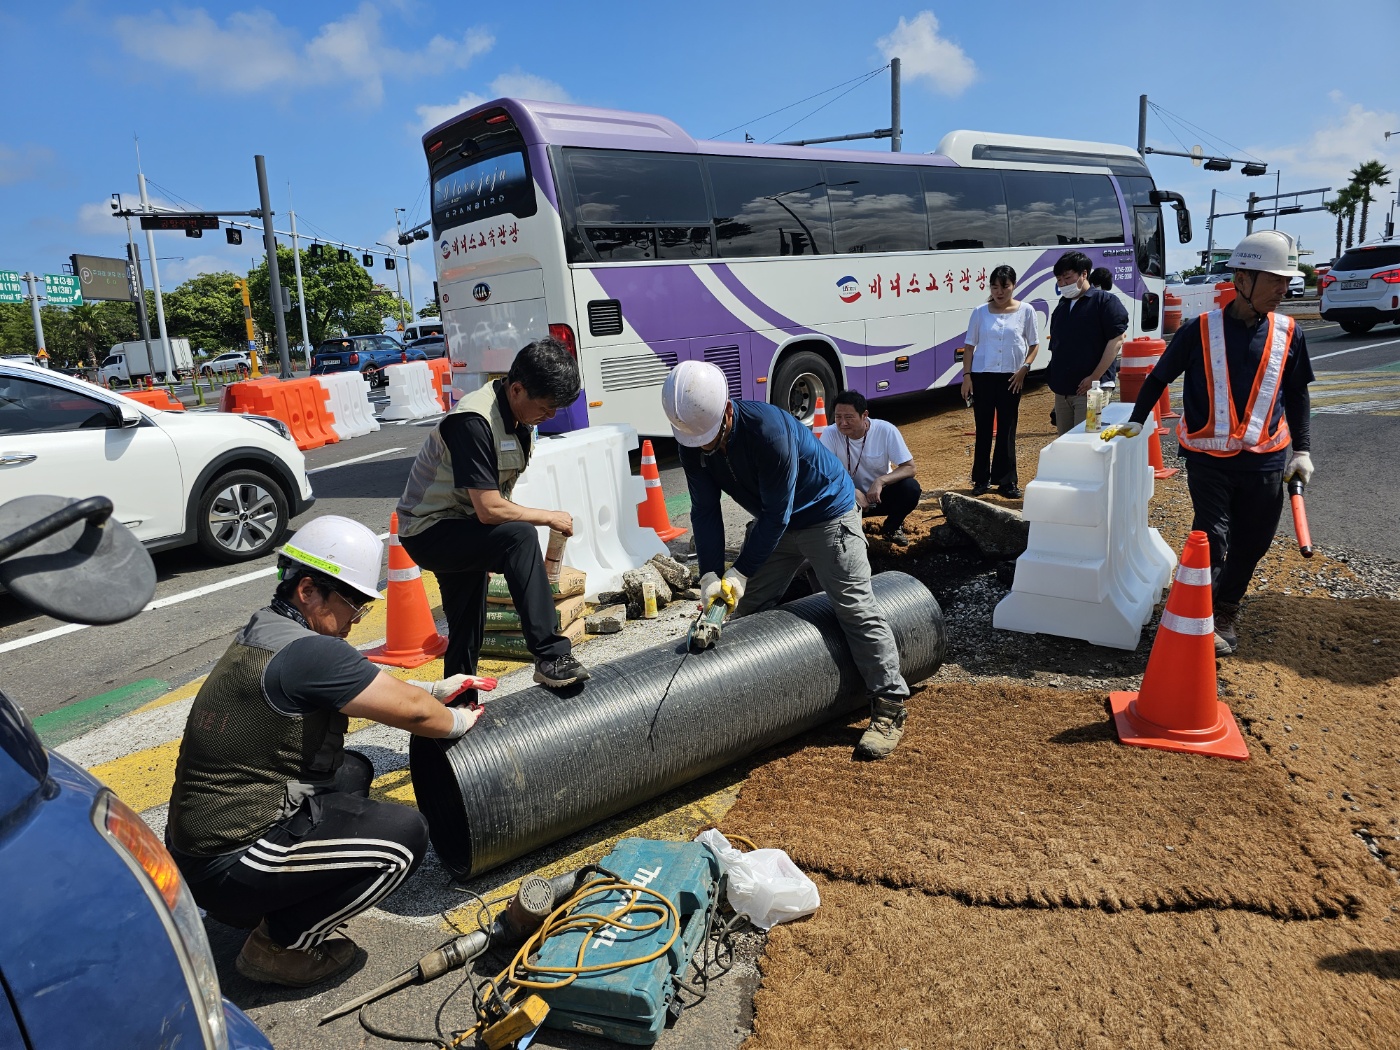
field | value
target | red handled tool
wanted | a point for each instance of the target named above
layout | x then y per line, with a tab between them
1300	518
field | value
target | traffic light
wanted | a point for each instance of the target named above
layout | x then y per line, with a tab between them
1254	168
233	236
193	232
315	251
368	260
389	264
342	255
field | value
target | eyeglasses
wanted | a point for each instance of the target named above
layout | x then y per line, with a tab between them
358	610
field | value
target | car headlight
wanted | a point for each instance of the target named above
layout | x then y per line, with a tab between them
275	425
155	869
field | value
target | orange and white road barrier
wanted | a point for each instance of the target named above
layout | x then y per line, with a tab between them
411	637
651	512
1178	707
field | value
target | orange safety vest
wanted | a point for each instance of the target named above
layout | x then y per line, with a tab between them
1224	432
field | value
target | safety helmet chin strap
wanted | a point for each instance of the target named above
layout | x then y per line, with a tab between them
1248	300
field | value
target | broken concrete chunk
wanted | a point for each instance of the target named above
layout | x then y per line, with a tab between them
607	620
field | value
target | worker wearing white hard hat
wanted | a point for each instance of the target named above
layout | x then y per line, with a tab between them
270	820
804	509
1244	428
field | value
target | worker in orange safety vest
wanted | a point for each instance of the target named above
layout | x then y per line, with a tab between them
1244	419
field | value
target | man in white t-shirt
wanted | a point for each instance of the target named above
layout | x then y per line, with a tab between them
878	461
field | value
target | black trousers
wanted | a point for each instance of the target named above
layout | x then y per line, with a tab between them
340	854
1238	510
897	499
993	401
460	552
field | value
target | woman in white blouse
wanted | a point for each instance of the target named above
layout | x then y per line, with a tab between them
999	348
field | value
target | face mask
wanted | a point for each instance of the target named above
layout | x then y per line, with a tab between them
1071	291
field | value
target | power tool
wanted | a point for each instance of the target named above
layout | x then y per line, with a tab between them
705	631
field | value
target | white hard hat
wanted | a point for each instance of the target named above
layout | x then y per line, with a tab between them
341	548
693	397
1267	251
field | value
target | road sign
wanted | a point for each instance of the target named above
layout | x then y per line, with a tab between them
103	278
11	290
190	221
62	289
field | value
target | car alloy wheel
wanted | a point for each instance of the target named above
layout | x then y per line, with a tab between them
242	516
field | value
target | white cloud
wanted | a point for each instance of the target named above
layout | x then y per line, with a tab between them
253	51
924	55
97	218
516	84
1332	150
430	116
21	163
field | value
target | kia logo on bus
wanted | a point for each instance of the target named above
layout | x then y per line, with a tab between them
481	292
848	288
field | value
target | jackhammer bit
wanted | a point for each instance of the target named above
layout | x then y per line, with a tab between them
705	631
526	912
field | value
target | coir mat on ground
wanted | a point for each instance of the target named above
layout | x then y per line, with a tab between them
1005	795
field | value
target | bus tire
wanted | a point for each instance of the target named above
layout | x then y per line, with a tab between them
800	379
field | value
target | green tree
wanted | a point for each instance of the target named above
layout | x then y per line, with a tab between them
339	296
1366	177
208	311
1338	206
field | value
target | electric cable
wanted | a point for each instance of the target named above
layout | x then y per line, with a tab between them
864	80
1165	114
790	105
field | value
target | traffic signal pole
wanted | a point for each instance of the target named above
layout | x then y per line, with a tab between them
274	277
155	274
301	292
253	369
32	279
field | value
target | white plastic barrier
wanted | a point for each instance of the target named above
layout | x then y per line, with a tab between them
1196	299
1093	569
351	415
411	392
587	474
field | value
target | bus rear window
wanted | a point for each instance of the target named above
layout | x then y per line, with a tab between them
481	189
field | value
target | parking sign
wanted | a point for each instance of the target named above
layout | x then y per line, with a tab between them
11	290
62	290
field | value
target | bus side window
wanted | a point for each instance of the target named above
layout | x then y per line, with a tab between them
966	208
876	208
1100	221
769	207
1041	208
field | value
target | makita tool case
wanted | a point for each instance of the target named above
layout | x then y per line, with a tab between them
629	1004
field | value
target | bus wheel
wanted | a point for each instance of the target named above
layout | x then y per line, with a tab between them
799	381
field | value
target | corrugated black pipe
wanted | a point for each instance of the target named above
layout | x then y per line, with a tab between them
541	765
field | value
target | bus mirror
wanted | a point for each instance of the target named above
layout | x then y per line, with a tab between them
1183	224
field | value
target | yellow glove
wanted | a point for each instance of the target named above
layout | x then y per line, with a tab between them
1127	430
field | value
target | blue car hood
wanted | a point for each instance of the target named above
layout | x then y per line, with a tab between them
24	767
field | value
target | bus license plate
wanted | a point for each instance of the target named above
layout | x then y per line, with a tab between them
1355	284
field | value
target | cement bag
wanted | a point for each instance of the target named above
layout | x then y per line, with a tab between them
764	884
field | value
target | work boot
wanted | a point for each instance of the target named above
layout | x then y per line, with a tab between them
886	727
556	674
1226	641
263	959
895	536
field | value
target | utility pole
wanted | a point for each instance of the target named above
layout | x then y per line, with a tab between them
896	131
408	264
32	279
1249	213
167	360
138	288
1210	228
1142	126
274	277
301	292
403	324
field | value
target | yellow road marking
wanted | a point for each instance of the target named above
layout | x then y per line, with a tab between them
184	692
142	780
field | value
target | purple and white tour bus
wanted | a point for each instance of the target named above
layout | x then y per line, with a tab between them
800	272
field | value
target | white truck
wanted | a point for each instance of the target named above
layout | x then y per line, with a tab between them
129	362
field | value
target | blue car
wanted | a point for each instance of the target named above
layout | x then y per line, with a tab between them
101	944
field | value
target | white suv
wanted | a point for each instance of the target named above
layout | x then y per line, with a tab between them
229	483
1362	288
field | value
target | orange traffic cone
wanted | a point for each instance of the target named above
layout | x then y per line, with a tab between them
819	420
1164	406
1160	469
651	513
1178	708
411	637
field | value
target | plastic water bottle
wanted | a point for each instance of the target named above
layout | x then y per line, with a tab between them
1093	410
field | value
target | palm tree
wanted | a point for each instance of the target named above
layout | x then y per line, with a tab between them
1338	206
1366	176
1353	195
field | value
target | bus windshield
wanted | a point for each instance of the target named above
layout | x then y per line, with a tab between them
482	189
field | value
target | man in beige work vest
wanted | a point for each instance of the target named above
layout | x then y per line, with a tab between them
456	518
1244	417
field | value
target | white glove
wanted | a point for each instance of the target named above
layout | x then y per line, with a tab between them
463	718
1300	466
1127	430
709	587
444	688
738	582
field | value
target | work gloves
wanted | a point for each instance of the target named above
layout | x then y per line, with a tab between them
710	586
444	689
1127	430
1300	466
737	581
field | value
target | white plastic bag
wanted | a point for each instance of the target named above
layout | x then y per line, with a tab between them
764	884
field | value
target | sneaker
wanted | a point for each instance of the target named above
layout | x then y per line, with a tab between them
981	488
556	674
886	727
896	537
263	959
1010	491
1226	640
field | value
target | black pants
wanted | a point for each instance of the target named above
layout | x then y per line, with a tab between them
460	552
1238	510
338	855
897	499
993	401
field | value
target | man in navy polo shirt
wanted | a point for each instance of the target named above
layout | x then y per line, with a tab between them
1086	331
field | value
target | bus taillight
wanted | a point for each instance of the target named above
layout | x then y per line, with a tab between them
565	335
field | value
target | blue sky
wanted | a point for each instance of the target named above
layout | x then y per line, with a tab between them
336	96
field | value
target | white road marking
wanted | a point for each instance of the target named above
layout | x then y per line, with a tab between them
357	459
1351	350
159	603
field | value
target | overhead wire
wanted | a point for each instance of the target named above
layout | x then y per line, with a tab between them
790	105
864	80
1166	114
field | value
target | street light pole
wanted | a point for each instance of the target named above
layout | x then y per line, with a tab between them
407	262
32	279
155	274
301	292
398	285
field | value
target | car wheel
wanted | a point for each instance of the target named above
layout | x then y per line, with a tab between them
1357	327
375	377
242	515
799	381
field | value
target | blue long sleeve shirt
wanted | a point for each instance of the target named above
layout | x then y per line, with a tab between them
776	470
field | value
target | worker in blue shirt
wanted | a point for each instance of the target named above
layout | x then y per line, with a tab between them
804	509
